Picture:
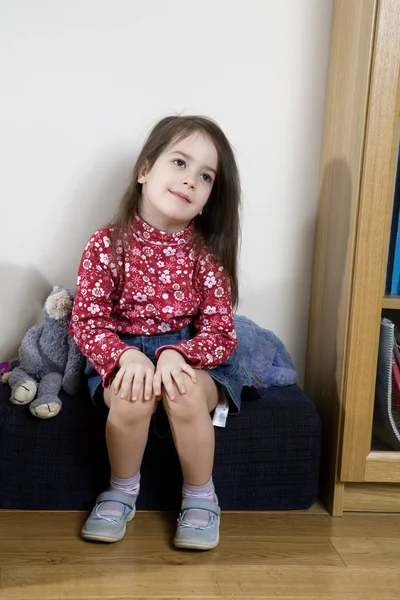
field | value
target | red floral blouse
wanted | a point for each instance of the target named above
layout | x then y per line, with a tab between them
161	284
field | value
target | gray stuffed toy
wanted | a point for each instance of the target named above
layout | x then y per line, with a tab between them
49	357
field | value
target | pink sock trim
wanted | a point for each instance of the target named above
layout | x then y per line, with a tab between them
198	491
129	486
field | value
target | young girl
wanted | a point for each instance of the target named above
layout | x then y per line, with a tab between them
153	316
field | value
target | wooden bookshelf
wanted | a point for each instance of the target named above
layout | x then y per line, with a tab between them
352	233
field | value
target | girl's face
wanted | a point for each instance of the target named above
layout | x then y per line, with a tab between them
179	184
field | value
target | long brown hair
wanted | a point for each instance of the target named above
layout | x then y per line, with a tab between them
217	227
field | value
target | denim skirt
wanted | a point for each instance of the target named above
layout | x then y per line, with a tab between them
148	344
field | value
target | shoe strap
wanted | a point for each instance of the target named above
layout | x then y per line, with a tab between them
202	504
113	496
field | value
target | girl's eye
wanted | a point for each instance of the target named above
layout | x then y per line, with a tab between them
179	162
207	178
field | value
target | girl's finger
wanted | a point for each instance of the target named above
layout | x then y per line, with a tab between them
137	384
117	380
180	384
190	371
140	395
126	386
167	381
157	383
148	388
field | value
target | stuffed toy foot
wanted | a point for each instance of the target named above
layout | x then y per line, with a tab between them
47	403
24	393
23	387
46	407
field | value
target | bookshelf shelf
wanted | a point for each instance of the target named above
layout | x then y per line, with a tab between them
391	302
383	467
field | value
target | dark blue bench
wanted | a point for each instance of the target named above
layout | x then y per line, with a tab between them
267	458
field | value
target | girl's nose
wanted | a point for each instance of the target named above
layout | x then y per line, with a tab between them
189	181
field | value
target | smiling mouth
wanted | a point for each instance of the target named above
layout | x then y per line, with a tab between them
181	197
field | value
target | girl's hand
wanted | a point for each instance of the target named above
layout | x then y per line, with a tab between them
170	367
135	376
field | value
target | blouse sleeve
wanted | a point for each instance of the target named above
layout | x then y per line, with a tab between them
92	325
215	340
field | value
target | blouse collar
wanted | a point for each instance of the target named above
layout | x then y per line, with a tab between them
151	235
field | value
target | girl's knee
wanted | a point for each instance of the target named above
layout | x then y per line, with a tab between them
186	406
126	412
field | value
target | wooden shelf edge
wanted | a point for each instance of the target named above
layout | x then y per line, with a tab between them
383	456
372	497
392	302
382	467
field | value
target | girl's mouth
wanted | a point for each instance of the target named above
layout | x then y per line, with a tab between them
181	196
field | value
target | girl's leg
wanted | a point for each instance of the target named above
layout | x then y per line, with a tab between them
192	428
193	433
126	433
127	430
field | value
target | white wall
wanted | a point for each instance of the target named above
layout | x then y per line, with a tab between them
84	80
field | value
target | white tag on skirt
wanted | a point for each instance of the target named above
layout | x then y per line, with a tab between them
221	413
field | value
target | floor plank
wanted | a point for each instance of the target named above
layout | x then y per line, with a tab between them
368	551
159	552
131	581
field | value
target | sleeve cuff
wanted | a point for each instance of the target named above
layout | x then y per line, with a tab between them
109	376
194	361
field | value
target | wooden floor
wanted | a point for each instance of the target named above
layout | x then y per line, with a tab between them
261	555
